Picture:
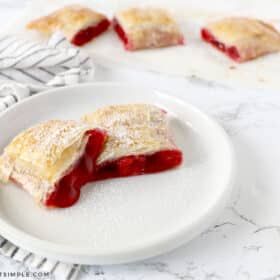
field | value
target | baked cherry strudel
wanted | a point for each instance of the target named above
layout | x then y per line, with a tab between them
53	160
242	39
79	24
141	28
138	141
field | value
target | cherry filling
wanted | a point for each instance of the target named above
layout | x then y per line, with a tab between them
231	51
67	190
86	35
181	41
122	35
137	165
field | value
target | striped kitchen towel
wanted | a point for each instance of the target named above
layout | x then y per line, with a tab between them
27	68
37	266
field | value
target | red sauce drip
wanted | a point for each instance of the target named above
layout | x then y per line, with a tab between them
122	35
138	165
68	188
231	51
86	35
181	40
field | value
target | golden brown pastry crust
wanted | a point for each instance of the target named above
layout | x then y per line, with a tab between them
136	129
69	20
39	156
149	27
251	37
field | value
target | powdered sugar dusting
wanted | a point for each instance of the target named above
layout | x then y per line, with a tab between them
37	157
149	27
43	144
132	129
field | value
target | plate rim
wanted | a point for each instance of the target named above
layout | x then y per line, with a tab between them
71	254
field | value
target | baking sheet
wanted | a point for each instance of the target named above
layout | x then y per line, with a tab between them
195	59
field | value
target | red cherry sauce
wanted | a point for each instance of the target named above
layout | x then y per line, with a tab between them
231	51
122	35
86	35
68	188
138	165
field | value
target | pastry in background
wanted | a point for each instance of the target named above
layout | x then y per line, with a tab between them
144	28
242	39
79	24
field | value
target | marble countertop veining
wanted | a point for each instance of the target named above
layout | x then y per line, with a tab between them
245	240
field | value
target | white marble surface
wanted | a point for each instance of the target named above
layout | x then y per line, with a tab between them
244	242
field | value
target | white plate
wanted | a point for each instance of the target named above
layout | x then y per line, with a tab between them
121	220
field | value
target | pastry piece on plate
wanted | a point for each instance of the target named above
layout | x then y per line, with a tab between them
241	38
79	24
139	141
53	160
143	28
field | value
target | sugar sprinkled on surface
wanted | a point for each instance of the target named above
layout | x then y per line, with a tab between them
132	129
45	142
